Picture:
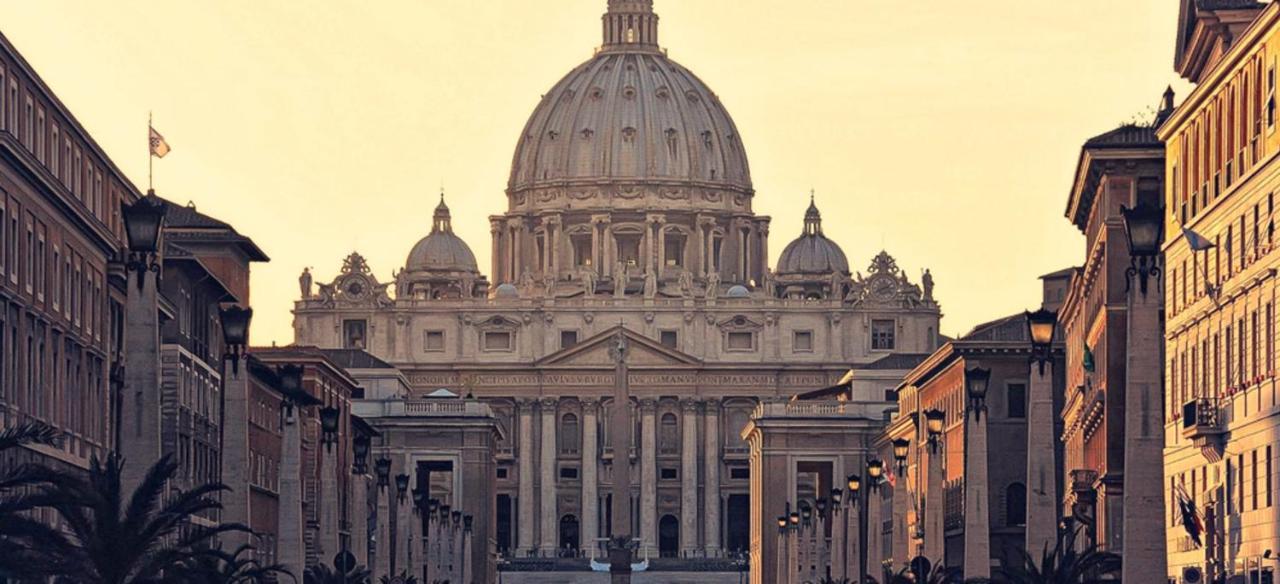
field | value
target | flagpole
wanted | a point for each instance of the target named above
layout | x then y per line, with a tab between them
151	159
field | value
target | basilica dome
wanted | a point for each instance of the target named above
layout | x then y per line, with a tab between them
628	115
441	250
812	252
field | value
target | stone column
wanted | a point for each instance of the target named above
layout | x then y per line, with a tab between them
139	432
689	479
291	550
549	520
525	503
839	515
711	482
1143	532
977	516
327	542
235	451
498	264
933	526
648	476
359	504
382	545
590	478
875	534
1042	475
404	518
900	538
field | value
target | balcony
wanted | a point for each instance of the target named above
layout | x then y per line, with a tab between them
1202	421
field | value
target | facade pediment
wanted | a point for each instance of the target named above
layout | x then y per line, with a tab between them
597	351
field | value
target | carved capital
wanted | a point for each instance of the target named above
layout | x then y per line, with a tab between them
690	406
648	406
549	403
590	405
712	406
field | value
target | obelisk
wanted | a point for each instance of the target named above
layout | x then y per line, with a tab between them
620	430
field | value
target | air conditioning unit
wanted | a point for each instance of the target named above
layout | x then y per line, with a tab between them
1192	575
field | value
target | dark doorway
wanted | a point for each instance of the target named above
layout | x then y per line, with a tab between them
568	536
504	524
669	536
738	523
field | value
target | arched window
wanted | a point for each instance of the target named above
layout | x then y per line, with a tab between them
1015	505
669	437
570	434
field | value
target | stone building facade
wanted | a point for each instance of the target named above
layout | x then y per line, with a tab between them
1222	396
629	204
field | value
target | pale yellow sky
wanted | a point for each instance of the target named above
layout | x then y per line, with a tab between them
946	132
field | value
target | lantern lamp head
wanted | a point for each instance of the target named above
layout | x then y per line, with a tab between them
976	380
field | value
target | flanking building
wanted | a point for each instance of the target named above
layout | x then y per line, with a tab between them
1222	431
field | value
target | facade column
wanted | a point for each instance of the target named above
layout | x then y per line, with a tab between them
290	547
933	526
689	479
554	230
382	545
547	545
977	515
648	476
327	542
525	528
1042	467
590	478
711	482
404	519
1144	547
497	264
139	432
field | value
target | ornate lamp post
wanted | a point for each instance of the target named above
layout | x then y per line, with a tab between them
329	426
382	467
976	380
1042	493
875	471
901	447
1143	427
402	485
360	452
235	333
934	421
143	223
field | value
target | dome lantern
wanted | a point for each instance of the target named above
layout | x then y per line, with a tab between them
440	222
628	23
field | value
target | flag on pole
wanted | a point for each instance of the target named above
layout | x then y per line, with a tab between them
158	146
1190	517
1196	241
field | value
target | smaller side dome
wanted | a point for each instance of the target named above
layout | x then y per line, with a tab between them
812	253
441	250
506	292
738	291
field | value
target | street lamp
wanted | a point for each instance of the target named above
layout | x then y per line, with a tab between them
806	513
1041	326
402	485
382	467
794	518
419	500
329	426
855	483
360	450
901	446
875	471
235	333
837	497
143	222
975	385
1144	228
933	422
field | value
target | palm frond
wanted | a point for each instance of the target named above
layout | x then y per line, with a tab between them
29	433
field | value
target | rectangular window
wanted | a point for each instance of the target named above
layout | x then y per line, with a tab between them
802	341
882	335
497	341
28	251
669	339
740	341
1017	400
503	472
670	474
434	341
40	135
568	472
1253	479
1266	468
568	339
740	473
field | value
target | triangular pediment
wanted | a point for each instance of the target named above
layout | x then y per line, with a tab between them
598	351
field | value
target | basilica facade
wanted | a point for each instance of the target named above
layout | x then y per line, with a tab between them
629	210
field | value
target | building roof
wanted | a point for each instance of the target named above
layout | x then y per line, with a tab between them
1126	136
897	361
355	359
185	220
1060	274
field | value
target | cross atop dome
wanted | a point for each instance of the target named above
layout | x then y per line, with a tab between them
630	24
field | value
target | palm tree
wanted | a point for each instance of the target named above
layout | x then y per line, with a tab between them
108	540
405	578
322	574
1063	564
17	497
219	567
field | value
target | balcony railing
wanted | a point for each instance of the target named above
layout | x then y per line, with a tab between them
1202	419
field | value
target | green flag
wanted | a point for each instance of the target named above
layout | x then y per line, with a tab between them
1087	362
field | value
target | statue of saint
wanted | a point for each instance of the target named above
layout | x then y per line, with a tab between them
619	279
588	276
713	285
304	283
686	283
837	284
650	284
526	283
927	280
